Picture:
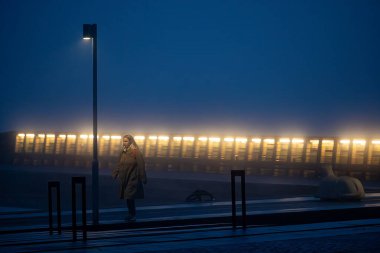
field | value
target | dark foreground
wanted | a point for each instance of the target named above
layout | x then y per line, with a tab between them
349	236
26	187
23	196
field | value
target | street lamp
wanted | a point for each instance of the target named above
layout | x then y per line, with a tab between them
89	32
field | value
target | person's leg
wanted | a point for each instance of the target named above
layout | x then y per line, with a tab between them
131	208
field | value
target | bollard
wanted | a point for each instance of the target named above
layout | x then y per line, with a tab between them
234	174
51	185
82	182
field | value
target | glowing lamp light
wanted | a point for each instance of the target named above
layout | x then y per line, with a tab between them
163	138
327	141
241	140
106	137
153	138
30	135
315	142
256	140
345	141
139	137
71	136
63	136
188	138
83	136
359	142
41	135
116	137
228	139
214	139
376	142
284	140
177	138
21	135
297	140
202	138
50	135
269	141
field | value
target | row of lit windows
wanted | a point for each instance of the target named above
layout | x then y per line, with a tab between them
354	151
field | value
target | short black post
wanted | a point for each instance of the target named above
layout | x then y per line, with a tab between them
233	194
243	200
51	185
82	182
234	174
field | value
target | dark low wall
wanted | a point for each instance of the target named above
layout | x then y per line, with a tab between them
7	147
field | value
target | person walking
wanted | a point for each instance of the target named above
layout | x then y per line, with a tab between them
130	171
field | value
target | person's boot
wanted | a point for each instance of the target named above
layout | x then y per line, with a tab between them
130	218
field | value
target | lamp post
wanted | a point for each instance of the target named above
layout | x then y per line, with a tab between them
89	32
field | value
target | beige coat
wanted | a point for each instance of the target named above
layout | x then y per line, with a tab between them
131	173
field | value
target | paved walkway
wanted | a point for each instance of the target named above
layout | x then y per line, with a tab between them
348	236
18	219
345	236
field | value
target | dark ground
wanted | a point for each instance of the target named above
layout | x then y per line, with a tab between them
357	243
26	187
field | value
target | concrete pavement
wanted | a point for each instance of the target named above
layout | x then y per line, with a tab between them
269	197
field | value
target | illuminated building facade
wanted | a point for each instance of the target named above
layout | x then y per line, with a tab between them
268	155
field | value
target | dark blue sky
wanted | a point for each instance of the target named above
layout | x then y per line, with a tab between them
250	67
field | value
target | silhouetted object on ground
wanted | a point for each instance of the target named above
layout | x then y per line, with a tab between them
131	173
197	196
241	174
333	187
82	182
57	186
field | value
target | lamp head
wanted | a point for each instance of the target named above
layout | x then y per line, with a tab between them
89	31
